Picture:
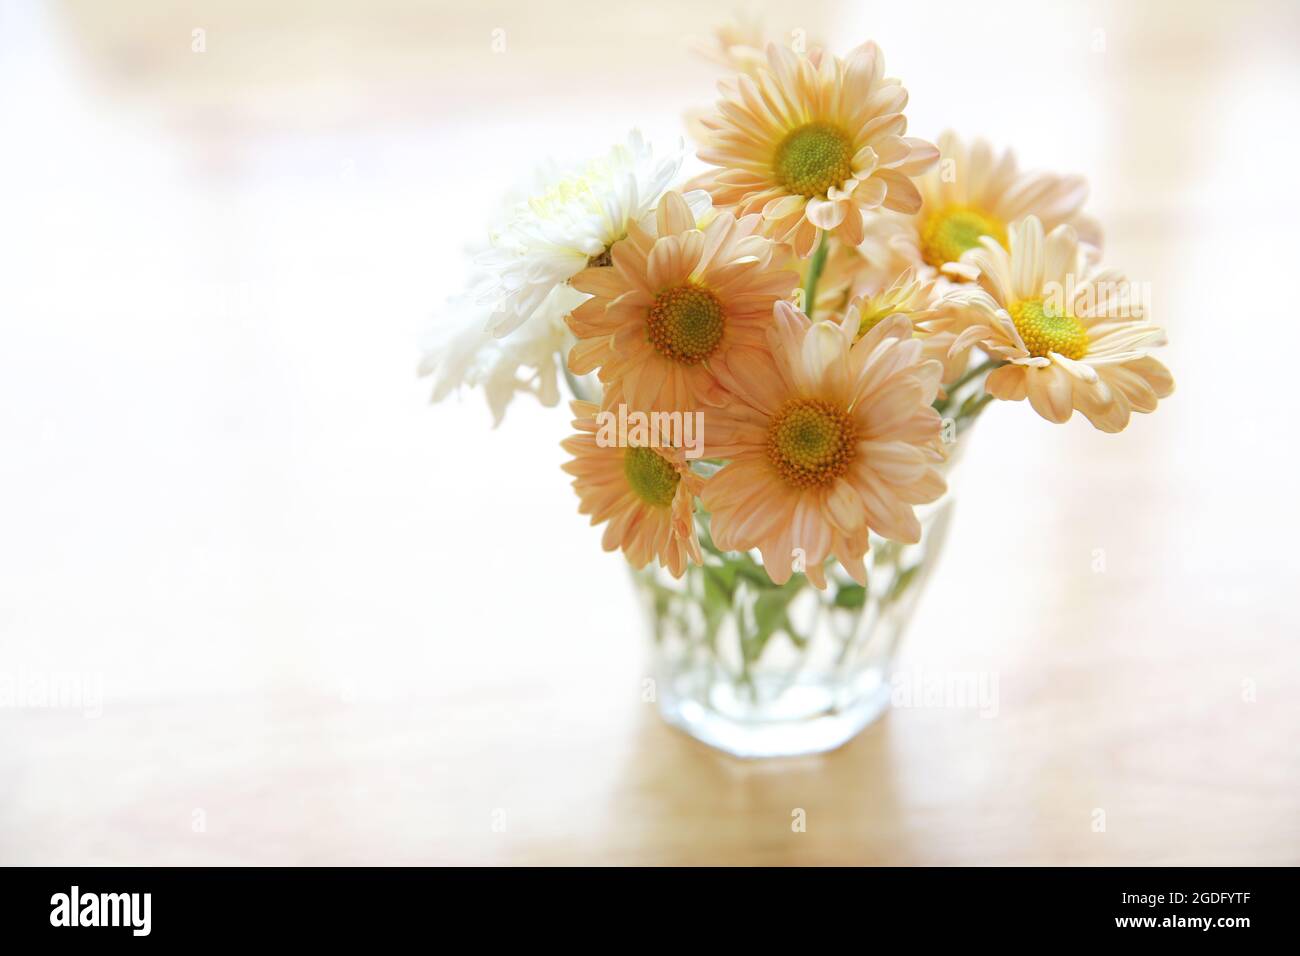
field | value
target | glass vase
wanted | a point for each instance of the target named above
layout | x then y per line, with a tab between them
760	670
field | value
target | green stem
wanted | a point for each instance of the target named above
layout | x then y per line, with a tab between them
972	413
815	268
986	366
746	673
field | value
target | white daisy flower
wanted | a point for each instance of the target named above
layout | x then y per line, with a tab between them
465	353
508	336
568	222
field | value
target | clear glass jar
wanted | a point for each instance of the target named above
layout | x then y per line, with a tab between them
760	670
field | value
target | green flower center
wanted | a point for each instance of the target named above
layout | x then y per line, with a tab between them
651	476
949	232
686	323
813	158
811	442
1045	329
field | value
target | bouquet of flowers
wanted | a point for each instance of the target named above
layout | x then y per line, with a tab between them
774	364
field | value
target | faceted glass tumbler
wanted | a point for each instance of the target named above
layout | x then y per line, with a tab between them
759	670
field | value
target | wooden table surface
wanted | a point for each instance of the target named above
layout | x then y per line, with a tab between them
332	624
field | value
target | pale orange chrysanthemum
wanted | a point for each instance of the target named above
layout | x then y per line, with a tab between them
811	141
974	191
917	300
646	493
736	45
851	279
673	304
828	440
1071	339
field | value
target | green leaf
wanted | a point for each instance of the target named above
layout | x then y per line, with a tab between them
769	610
851	596
771	614
720	583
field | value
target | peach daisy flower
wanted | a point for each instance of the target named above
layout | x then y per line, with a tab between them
736	45
1070	339
646	493
674	303
828	440
916	299
810	141
975	192
851	279
908	295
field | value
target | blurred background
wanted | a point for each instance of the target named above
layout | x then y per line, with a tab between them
313	619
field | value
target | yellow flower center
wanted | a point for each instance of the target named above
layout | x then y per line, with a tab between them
686	323
1045	329
952	230
868	320
811	442
651	476
813	158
